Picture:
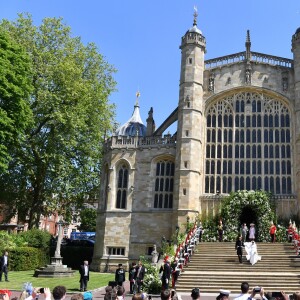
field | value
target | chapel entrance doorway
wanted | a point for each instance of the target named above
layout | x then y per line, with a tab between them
248	215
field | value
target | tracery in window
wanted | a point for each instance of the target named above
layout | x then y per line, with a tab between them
260	144
122	187
164	184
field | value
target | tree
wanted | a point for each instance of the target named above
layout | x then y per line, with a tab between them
15	87
59	162
88	219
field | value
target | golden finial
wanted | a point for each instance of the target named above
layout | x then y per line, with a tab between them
138	94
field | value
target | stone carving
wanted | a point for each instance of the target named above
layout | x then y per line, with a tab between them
59	239
154	254
248	77
284	84
211	83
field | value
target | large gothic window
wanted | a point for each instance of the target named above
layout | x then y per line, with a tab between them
258	154
122	187
164	184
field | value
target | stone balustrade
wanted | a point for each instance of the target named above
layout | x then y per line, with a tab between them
255	57
272	60
120	142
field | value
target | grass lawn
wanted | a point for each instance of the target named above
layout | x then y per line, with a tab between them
17	279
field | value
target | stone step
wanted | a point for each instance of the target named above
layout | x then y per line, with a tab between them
264	268
215	265
231	274
237	290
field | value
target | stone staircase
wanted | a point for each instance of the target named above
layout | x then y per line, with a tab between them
215	266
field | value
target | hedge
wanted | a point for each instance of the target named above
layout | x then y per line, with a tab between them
27	258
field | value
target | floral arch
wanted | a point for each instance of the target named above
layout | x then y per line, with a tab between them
233	205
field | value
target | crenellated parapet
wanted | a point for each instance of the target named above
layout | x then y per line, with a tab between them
193	38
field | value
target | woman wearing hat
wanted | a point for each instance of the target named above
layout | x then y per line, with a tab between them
252	232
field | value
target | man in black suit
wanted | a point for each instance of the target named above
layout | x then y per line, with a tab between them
120	275
84	271
132	271
139	276
166	273
4	265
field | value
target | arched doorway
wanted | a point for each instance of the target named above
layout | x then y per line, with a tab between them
248	215
247	207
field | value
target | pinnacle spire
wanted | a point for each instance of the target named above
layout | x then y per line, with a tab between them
248	37
195	15
248	46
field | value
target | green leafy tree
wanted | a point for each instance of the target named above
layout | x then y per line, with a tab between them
15	87
88	219
59	162
37	238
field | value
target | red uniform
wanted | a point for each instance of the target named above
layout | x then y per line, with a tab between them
272	233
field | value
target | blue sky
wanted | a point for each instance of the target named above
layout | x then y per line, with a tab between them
141	38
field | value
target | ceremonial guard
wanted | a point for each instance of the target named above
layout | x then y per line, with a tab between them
273	232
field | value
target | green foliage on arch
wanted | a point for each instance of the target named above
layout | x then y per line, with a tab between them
259	201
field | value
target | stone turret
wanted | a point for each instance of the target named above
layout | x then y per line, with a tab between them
190	123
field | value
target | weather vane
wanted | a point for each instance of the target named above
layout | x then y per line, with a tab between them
195	14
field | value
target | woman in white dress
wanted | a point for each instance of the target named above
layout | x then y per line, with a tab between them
251	250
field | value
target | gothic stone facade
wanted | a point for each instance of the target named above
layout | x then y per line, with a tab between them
238	127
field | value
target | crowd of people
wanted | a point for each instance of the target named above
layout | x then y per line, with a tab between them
118	293
31	293
169	271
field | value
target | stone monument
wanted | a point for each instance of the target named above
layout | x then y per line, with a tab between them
56	268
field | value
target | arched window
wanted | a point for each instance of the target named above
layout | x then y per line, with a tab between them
122	187
164	184
260	144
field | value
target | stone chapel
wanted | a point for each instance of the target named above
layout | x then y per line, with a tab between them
238	128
